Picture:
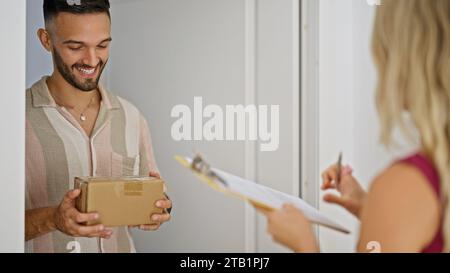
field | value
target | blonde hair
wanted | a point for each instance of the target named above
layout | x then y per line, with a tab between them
411	48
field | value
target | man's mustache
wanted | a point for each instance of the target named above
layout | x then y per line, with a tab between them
83	66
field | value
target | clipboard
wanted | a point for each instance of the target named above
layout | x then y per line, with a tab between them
254	193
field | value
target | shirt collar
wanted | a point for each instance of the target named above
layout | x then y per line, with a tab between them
41	96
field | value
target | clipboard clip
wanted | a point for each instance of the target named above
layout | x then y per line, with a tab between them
199	165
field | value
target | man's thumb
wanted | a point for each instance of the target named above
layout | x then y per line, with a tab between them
72	195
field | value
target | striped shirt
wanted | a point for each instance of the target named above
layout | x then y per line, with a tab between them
58	150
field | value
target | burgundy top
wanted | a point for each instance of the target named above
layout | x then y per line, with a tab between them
427	168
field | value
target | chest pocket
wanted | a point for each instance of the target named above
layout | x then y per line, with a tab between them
124	165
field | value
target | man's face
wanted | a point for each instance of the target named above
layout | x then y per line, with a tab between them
80	47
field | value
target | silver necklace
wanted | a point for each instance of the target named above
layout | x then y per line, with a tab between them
83	117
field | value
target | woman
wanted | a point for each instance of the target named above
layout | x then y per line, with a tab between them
406	208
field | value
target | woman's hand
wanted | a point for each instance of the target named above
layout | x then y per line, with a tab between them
352	195
290	228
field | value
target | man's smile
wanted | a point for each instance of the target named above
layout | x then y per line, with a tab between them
86	71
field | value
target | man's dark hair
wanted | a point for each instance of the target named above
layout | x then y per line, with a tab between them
53	7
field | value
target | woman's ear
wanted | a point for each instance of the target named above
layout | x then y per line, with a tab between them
44	37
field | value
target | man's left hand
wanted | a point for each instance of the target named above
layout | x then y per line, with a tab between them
159	218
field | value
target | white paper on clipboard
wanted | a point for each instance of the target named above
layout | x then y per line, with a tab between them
267	197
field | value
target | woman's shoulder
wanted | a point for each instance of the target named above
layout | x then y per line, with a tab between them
413	176
401	205
404	183
399	176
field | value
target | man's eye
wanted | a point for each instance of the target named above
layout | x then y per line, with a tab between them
102	46
75	48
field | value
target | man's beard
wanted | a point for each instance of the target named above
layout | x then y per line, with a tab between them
88	84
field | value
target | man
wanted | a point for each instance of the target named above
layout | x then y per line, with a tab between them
74	127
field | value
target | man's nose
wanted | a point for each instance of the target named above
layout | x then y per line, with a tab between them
90	58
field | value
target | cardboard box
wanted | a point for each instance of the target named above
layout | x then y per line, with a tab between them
120	201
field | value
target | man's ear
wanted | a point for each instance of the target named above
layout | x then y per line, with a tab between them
44	37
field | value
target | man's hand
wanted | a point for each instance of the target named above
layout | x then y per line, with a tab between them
69	220
159	218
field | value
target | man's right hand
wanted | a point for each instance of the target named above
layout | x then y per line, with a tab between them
352	195
69	220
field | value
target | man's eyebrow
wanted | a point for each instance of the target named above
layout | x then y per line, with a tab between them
72	42
81	43
106	40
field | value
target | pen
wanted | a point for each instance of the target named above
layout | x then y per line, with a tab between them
339	169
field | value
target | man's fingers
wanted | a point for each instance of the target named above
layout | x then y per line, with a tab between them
150	227
85	217
69	198
164	204
71	195
154	174
160	217
106	234
91	231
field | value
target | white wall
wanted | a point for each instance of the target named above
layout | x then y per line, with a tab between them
39	61
163	55
336	100
12	117
277	82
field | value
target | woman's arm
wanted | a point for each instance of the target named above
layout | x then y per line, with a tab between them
401	212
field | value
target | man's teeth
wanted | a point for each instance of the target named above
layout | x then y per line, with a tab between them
87	71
